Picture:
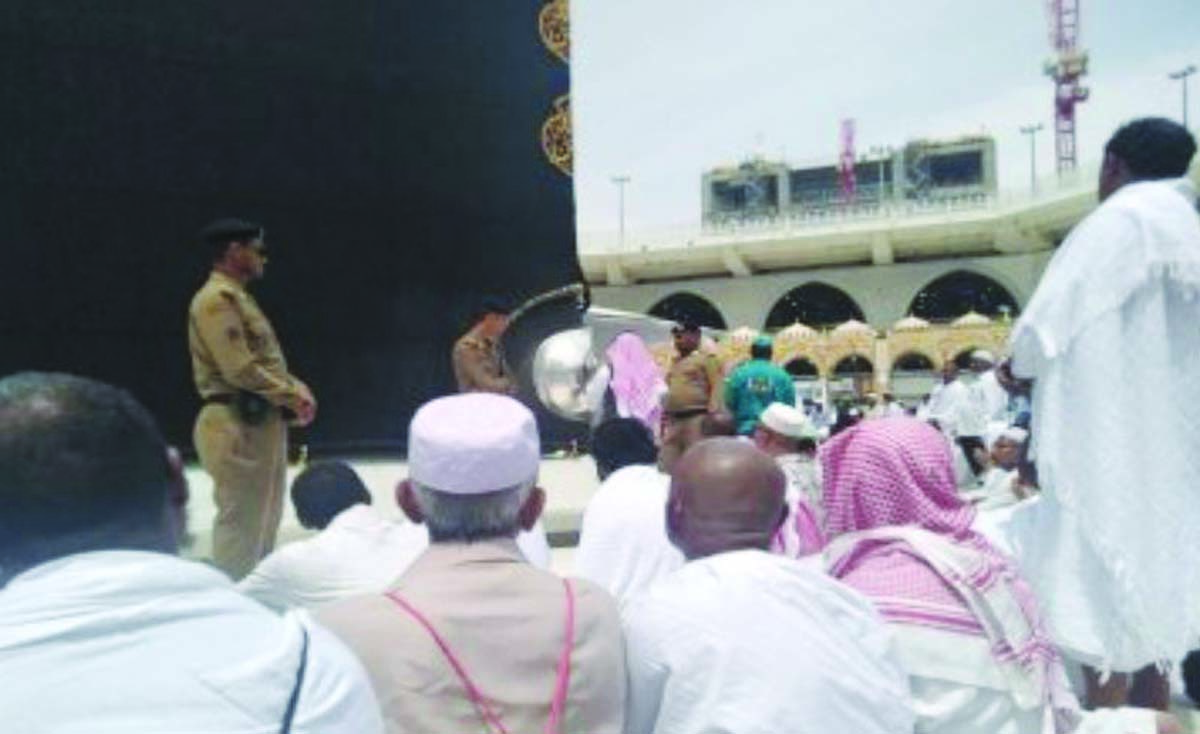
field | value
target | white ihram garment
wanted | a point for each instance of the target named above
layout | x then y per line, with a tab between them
753	643
971	408
1111	338
943	406
623	545
357	553
126	642
996	397
958	689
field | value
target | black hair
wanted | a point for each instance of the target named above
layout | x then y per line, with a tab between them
83	467
219	234
325	489
1191	676
1153	148
761	350
489	305
687	323
621	442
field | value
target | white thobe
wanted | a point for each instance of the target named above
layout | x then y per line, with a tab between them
623	545
803	473
958	689
971	409
995	397
943	403
753	643
357	553
996	488
1110	337
124	642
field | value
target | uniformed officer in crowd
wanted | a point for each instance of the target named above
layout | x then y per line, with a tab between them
693	392
249	396
476	356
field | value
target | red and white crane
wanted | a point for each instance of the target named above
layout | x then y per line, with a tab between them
1066	68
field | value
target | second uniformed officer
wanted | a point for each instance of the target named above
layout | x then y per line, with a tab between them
693	392
476	356
240	373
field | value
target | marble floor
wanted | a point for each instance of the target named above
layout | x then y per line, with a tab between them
568	482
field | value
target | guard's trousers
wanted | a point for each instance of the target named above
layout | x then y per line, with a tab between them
248	466
680	434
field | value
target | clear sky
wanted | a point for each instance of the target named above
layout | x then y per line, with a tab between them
663	90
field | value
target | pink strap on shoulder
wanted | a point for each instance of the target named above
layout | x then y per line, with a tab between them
562	680
490	718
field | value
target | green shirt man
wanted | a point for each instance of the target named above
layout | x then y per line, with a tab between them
754	385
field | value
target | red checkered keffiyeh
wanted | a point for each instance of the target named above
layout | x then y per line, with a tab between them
901	535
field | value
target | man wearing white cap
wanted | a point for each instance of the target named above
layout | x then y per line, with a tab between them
999	485
785	434
471	637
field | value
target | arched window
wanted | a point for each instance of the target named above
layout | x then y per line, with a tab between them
681	306
912	377
814	304
853	366
960	292
802	367
912	362
963	359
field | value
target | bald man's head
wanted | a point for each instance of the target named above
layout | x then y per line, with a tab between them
725	495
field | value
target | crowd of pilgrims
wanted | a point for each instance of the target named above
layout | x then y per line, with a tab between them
742	571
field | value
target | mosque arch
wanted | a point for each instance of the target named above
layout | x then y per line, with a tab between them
914	362
684	305
854	365
802	367
814	304
962	359
960	292
913	375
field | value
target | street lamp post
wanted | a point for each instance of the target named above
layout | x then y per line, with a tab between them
1032	131
1182	76
620	181
882	153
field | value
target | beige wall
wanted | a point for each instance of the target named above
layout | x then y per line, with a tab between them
884	292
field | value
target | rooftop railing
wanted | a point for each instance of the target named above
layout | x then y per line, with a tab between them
730	229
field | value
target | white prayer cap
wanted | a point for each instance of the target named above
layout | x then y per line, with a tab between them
787	421
1015	434
983	355
995	429
998	430
472	444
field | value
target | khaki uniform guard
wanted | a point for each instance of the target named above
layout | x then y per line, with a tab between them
234	349
693	391
477	364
